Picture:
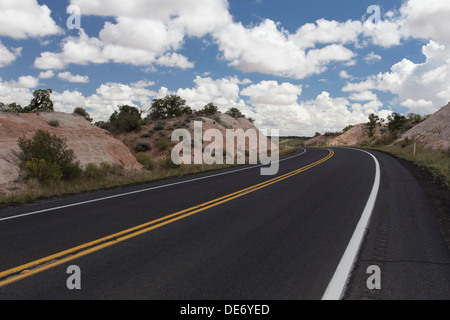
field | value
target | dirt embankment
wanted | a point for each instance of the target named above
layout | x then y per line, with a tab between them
93	145
433	133
90	144
355	136
158	133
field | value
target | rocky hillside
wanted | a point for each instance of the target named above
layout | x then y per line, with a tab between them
91	144
357	135
433	133
158	134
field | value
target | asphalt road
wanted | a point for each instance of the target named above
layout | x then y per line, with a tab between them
232	235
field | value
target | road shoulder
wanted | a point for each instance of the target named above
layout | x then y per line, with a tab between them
405	239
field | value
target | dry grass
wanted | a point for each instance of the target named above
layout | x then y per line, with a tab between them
437	162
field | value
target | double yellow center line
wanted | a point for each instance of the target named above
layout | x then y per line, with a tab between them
29	269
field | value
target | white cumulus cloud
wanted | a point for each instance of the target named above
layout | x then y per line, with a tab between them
67	76
8	56
26	19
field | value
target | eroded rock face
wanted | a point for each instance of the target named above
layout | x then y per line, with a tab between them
433	133
90	144
353	137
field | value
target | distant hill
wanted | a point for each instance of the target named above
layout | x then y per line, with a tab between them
433	134
357	135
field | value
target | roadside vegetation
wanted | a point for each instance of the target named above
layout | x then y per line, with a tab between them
391	129
50	168
437	162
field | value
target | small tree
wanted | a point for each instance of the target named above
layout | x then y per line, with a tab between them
374	120
41	102
235	113
397	122
127	119
170	106
209	109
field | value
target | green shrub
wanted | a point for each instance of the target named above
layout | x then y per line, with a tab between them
171	106
142	146
112	169
83	113
54	123
92	171
180	125
167	163
148	134
235	113
209	109
127	119
145	160
160	125
43	171
53	150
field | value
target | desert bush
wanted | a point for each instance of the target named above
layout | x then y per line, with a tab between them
148	134
332	134
235	113
83	113
142	146
347	128
53	150
54	123
12	107
112	168
92	171
43	171
209	109
159	126
145	160
167	163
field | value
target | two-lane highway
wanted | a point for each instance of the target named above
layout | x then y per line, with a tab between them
229	235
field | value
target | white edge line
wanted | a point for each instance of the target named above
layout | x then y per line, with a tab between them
336	288
144	190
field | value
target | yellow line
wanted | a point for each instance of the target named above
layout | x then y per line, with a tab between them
41	265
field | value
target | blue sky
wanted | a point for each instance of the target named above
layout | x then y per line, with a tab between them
296	66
